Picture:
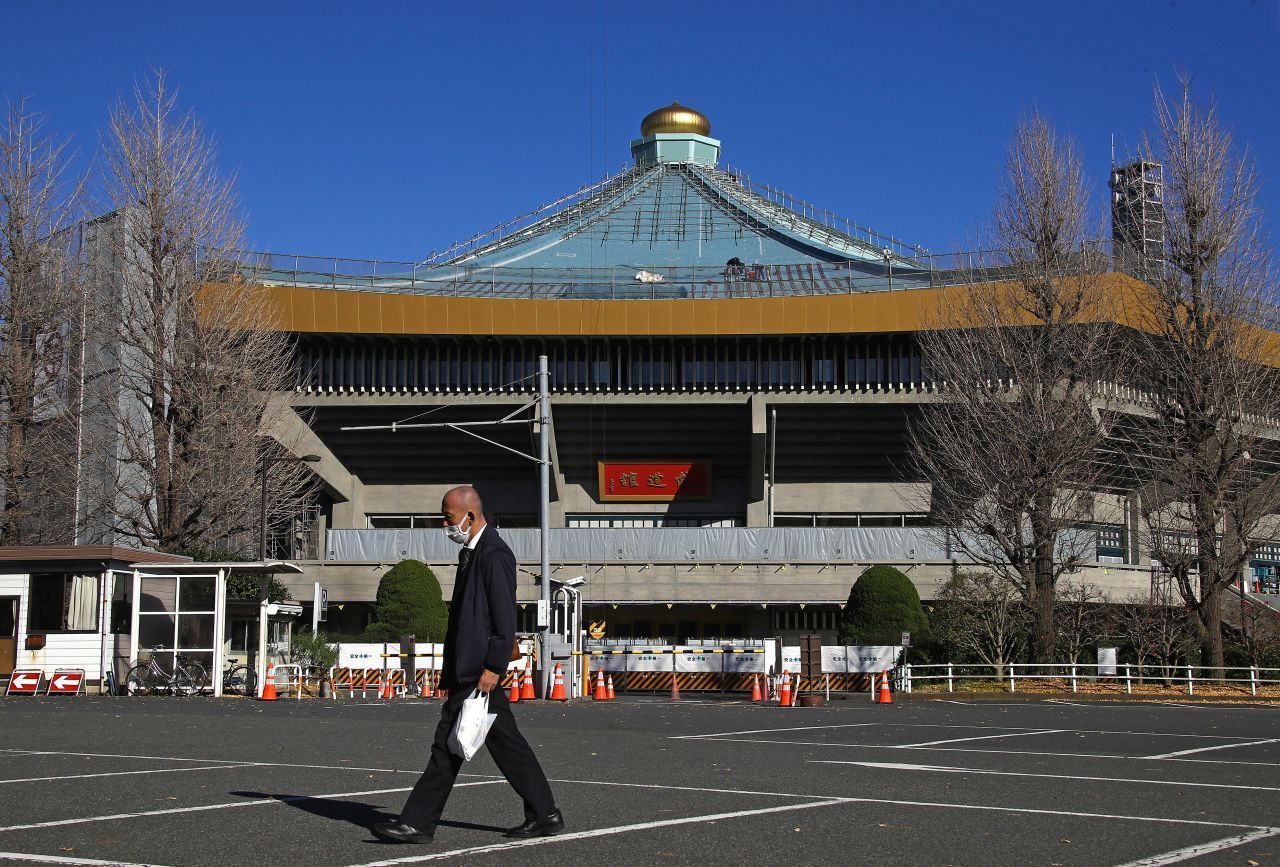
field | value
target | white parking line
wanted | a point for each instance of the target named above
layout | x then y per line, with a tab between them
766	731
1189	852
980	726
605	832
833	801
977	738
930	749
120	774
902	766
235	762
121	756
62	859
1209	749
222	806
690	789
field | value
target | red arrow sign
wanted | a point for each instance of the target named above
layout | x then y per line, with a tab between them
23	683
65	682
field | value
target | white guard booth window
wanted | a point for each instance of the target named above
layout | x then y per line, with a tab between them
180	610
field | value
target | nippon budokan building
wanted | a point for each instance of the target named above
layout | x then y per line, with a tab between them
732	374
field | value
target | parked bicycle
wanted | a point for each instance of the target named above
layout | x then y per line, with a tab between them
148	678
239	679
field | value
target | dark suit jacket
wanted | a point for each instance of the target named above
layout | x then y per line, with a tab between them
482	615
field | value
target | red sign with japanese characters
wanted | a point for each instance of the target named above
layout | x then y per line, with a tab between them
654	481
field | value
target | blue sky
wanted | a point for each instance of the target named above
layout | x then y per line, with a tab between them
388	130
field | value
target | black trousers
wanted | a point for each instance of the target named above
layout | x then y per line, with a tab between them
511	753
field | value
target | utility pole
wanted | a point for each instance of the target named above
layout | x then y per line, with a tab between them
544	520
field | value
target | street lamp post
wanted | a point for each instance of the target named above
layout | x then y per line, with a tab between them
260	665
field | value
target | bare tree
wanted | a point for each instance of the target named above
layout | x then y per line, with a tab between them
1009	445
1259	634
1134	621
981	613
199	349
39	333
1156	632
1080	618
1207	454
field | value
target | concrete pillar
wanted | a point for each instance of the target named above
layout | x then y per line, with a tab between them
757	481
555	516
349	514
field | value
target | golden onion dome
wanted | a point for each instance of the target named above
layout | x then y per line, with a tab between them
675	118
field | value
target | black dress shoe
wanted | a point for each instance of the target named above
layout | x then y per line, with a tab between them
399	832
547	827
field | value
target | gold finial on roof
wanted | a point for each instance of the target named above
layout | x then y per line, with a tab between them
675	118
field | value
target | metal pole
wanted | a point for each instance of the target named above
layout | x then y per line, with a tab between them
544	518
262	518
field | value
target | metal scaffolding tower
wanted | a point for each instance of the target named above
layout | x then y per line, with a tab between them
1137	214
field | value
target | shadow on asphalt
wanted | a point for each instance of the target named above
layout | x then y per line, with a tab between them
357	813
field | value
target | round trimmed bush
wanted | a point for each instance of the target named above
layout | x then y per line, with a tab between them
409	603
883	604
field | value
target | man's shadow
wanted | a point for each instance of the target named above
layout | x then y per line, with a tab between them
358	813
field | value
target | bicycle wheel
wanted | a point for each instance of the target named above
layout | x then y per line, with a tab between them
139	681
198	677
241	680
180	683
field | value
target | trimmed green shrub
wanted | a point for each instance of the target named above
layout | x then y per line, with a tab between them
409	603
883	604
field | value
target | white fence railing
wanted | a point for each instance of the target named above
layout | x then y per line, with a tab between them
1179	676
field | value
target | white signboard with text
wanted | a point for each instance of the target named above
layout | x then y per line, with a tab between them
644	661
870	657
369	655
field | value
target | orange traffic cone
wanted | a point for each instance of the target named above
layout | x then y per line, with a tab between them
886	697
526	690
600	693
675	687
437	692
784	696
269	683
557	689
755	688
514	696
608	687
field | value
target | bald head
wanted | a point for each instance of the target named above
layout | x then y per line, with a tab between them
462	508
464	498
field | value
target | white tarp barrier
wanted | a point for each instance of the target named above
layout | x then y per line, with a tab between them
643	661
835	660
675	544
1106	662
746	663
706	662
871	657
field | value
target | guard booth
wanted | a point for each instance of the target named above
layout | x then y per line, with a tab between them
59	606
183	607
568	638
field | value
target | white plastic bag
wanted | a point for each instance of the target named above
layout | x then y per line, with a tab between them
472	725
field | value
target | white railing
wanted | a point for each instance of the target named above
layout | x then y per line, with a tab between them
1166	676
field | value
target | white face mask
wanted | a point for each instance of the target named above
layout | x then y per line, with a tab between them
456	534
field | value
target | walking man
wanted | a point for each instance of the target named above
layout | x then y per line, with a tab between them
477	648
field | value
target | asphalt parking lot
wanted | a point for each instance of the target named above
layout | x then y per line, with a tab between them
187	781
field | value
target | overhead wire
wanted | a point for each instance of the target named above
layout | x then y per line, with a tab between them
491	390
